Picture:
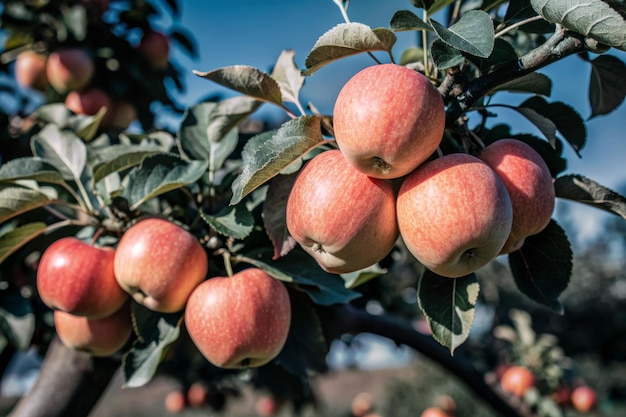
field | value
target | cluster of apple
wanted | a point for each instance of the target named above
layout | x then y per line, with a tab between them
455	213
70	72
237	321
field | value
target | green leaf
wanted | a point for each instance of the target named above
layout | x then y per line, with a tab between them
545	125
266	155
543	266
472	33
438	5
404	20
159	174
233	221
445	56
18	200
55	113
246	80
63	149
449	306
32	168
86	127
155	331
593	18
535	83
347	39
17	321
288	76
274	214
503	54
607	85
356	278
586	191
116	158
14	239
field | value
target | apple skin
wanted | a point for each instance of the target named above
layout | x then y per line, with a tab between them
454	214
528	180
434	412
30	70
239	321
343	218
89	102
159	264
98	337
78	278
388	119
583	398
517	380
155	46
69	69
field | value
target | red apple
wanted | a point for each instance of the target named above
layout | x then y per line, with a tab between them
175	401
239	321
30	70
155	46
340	216
454	214
76	277
159	264
529	183
434	412
99	337
89	102
69	69
388	119
517	380
583	398
267	406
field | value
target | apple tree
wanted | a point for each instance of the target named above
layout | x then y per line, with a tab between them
241	248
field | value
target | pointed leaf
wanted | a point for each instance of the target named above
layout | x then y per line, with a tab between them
17	200
472	33
543	266
274	214
356	278
347	39
404	20
438	5
246	80
586	191
33	168
607	86
545	125
445	56
288	76
233	221
159	174
14	239
86	127
535	83
266	155
448	304
116	158
61	148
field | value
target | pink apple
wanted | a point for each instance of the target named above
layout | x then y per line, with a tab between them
583	398
155	46
30	70
69	69
388	119
454	214
340	216
239	321
76	277
529	183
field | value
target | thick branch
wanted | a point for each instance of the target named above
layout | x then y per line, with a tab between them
69	384
348	319
561	44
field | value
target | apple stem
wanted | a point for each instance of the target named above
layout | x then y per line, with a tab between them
380	165
227	263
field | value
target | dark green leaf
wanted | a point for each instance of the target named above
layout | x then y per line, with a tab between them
14	239
545	125
438	5
17	321
17	200
586	191
404	20
274	214
565	118
503	54
266	155
116	158
607	86
543	266
233	221
472	33
86	127
185	40
445	56
32	168
534	82
449	306
288	76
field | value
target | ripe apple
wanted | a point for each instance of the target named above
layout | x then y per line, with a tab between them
340	216
388	119
175	401
76	277
30	70
99	337
434	412
159	264
528	180
89	102
155	46
517	380
239	321
583	398
454	214
69	69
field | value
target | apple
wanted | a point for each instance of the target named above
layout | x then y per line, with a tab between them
362	404
239	321
583	398
434	412
342	217
454	214
529	183
388	119
30	70
77	278
155	46
267	406
175	401
159	263
517	380
89	102
197	394
69	69
98	337
123	114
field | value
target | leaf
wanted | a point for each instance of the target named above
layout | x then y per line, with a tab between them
404	20
545	125
543	266
86	127
186	40
356	278
274	214
63	149
288	76
266	155
503	54
534	82
448	304
246	80
438	5
17	321
593	18
472	33
14	239
116	158
233	221
159	174
32	168
586	191
445	56
17	200
607	85
156	331
347	39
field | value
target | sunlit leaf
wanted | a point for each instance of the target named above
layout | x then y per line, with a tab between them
472	33
17	200
288	76
33	168
61	148
246	80
586	191
14	239
360	277
116	158
233	221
